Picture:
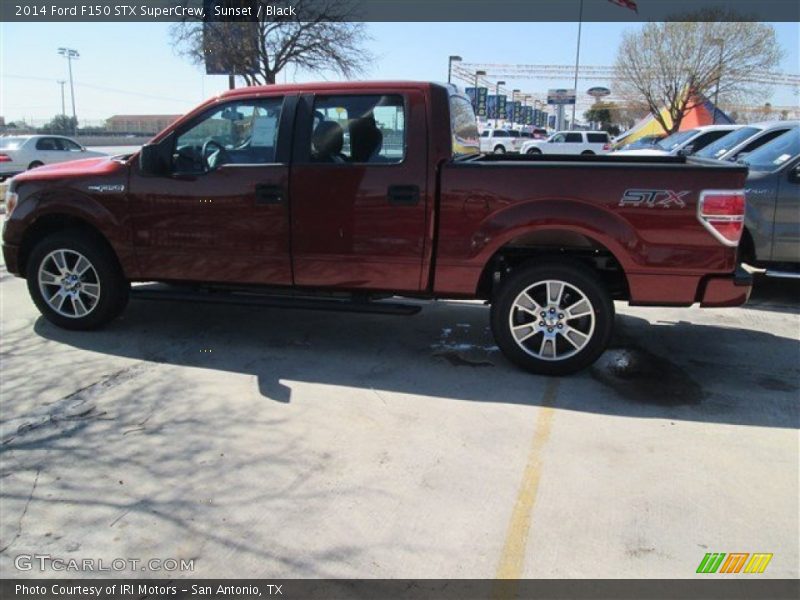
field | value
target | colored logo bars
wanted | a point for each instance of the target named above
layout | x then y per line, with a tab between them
714	562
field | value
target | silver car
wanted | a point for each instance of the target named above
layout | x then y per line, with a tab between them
22	152
738	144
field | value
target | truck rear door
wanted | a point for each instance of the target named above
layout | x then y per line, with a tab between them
358	190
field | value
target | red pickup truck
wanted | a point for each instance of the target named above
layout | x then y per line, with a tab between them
339	195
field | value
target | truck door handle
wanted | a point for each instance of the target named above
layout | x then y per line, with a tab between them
403	195
269	194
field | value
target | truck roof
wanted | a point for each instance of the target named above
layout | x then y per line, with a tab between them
332	86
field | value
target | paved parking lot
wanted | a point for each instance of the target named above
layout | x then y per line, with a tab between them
274	443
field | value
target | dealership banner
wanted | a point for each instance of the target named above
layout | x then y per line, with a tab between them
394	10
496	106
481	105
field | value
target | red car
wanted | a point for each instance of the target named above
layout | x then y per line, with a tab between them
335	195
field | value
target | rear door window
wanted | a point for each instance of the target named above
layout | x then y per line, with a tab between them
358	129
46	144
597	138
705	139
767	137
573	138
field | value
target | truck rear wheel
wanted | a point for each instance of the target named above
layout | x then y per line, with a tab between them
74	282
553	319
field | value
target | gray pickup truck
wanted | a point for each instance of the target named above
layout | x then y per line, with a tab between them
771	238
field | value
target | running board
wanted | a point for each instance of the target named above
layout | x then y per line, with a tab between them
296	302
774	273
782	274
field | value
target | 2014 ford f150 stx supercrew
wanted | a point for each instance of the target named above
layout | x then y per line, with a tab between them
318	194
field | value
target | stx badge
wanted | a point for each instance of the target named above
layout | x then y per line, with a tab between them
653	198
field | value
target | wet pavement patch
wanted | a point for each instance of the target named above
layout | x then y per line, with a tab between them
458	359
646	378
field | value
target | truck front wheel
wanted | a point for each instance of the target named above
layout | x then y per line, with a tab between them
553	319
74	282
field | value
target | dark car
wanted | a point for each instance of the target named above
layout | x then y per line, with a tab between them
772	220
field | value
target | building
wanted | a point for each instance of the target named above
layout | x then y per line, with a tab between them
144	124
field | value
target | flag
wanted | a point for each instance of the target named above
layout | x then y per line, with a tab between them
626	4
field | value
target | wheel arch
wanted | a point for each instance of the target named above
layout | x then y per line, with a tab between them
555	243
55	222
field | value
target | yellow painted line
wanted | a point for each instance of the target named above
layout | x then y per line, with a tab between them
512	560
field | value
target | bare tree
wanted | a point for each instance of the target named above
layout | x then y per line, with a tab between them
674	64
319	38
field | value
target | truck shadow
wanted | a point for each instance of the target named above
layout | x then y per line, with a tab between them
670	370
776	295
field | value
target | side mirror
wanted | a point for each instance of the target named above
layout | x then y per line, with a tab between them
794	174
156	159
687	150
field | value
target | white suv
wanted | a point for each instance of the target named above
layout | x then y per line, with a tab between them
501	141
570	142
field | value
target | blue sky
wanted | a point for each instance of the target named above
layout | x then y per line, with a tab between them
131	67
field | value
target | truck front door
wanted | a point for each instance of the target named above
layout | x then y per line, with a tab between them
359	191
222	212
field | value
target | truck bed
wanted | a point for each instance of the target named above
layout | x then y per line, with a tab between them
492	203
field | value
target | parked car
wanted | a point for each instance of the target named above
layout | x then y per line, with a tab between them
500	141
570	142
742	141
685	142
250	199
646	141
772	221
539	133
22	152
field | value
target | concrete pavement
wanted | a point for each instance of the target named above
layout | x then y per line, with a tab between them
277	443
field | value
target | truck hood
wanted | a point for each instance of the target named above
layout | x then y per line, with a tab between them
75	168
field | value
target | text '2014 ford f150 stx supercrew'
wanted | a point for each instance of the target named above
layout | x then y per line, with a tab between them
335	194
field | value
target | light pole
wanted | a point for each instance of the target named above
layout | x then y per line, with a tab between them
475	96
577	63
497	103
450	62
514	106
61	82
721	43
71	54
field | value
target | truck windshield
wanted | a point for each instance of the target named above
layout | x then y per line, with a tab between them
727	142
676	139
777	153
463	128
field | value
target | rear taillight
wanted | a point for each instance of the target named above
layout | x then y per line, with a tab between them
606	146
5	158
722	213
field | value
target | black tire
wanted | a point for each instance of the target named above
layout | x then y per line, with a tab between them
576	276
34	164
533	151
499	149
587	153
113	288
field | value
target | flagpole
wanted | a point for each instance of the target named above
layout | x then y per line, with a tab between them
577	63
